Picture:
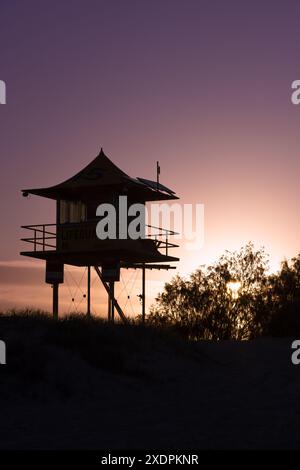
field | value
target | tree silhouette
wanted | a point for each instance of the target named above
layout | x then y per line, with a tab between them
285	288
204	306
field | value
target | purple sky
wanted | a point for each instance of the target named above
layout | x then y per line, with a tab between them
201	86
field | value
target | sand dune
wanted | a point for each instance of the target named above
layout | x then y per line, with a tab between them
87	385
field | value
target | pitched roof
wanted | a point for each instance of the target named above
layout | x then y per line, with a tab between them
97	179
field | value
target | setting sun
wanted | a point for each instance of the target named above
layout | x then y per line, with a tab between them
233	288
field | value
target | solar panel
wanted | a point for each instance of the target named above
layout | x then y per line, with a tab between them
155	185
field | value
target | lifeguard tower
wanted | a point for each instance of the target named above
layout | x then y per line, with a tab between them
72	240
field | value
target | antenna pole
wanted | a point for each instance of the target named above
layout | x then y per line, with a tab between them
157	175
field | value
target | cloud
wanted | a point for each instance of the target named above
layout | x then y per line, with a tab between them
22	263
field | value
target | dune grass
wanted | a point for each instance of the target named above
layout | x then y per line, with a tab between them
47	357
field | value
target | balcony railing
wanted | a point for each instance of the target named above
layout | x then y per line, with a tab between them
44	236
161	237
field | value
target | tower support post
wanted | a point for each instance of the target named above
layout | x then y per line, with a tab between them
107	288
112	300
143	293
55	287
108	306
88	291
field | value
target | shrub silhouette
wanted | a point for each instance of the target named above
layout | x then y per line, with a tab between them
203	306
285	288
